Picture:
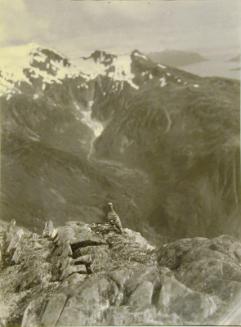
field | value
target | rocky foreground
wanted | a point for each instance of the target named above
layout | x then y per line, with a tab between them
88	274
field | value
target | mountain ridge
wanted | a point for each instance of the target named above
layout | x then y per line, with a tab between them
161	143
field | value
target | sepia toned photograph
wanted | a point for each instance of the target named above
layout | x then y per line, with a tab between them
120	163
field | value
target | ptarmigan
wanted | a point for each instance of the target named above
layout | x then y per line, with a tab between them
113	218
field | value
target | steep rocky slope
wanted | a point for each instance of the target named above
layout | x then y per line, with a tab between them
161	143
87	274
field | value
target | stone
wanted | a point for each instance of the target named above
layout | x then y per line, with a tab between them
48	229
189	281
17	255
142	296
66	249
84	259
189	305
87	308
75	279
120	276
53	310
64	263
54	234
15	240
80	269
11	226
31	316
79	236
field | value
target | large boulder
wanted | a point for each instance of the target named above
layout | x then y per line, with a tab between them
90	275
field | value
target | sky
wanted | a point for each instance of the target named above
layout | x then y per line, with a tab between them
79	27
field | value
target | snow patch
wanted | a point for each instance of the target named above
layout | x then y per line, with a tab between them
120	69
163	82
13	60
196	85
9	95
90	103
144	73
87	119
16	64
34	138
161	66
89	67
39	57
134	85
83	85
137	54
16	67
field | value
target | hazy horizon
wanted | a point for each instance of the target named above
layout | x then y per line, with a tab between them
79	27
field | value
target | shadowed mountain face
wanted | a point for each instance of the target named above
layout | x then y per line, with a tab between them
160	143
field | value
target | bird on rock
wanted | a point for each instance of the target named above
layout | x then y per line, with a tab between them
113	218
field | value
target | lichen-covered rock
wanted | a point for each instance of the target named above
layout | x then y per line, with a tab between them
48	229
210	267
53	310
141	298
90	275
189	305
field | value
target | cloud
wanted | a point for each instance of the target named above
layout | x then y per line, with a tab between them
77	27
17	24
149	25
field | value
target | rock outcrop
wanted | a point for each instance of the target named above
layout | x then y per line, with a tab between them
87	274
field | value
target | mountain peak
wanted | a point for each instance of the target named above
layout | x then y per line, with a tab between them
137	53
25	52
102	57
23	63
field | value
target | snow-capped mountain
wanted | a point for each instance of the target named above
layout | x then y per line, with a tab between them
24	66
35	71
160	143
